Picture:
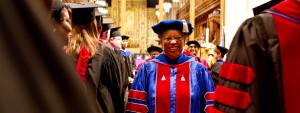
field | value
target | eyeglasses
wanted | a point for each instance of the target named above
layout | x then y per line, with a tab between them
169	39
193	47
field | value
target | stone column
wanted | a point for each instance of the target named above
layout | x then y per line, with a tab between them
160	9
122	15
222	13
192	17
222	22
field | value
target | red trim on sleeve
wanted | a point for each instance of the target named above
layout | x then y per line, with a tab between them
162	100
134	107
139	95
82	62
211	109
209	96
183	96
231	97
237	73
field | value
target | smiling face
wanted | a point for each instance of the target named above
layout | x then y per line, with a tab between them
193	48
172	43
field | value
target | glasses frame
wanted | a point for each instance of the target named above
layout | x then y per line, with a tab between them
169	39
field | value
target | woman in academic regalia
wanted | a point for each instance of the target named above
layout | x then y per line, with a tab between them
172	82
96	63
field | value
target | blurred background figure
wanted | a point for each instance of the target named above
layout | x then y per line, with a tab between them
153	51
105	30
36	76
129	62
260	74
219	53
210	58
128	56
115	39
61	20
193	47
115	69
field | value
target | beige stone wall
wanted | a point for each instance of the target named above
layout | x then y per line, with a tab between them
152	20
137	24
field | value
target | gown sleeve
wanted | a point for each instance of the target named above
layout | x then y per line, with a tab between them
207	88
137	97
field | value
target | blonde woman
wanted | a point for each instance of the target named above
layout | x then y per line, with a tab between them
82	43
96	64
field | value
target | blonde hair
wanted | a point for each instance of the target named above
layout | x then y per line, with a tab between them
83	35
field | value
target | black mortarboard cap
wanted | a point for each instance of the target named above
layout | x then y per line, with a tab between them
106	23
265	6
181	25
124	37
56	9
97	14
193	42
105	27
223	50
154	48
57	5
100	19
114	32
83	12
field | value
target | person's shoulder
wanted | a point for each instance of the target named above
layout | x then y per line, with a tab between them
107	51
147	66
254	21
148	62
197	64
107	48
216	66
128	51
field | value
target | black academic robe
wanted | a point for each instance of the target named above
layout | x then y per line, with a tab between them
110	82
130	62
215	69
260	74
249	77
128	66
